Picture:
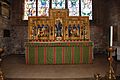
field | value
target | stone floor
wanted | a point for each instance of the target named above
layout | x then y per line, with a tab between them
14	66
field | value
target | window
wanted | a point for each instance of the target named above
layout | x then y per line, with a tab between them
58	4
86	8
41	7
73	6
29	9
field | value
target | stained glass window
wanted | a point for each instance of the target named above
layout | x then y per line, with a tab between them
43	7
29	9
86	8
58	4
73	6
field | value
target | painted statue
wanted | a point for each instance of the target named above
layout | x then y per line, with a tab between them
34	32
46	30
74	30
78	26
69	30
38	30
58	26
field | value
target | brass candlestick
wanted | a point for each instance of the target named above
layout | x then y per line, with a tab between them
110	75
1	73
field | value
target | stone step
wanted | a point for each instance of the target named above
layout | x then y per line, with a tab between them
49	79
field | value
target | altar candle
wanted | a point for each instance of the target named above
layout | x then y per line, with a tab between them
111	35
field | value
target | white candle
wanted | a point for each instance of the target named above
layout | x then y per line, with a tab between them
111	36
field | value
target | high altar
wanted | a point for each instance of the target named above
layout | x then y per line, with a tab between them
58	39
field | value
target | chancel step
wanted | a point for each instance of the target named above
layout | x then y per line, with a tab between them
49	79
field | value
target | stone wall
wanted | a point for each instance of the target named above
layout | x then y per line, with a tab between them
18	28
99	39
5	41
19	36
114	19
105	13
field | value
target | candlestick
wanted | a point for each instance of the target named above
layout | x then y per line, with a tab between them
111	36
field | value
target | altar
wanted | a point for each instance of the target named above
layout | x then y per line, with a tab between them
59	52
58	39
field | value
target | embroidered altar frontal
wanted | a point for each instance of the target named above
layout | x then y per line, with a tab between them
59	52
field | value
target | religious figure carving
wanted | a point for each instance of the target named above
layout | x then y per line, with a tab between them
38	30
58	26
74	30
46	30
69	30
78	26
33	32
